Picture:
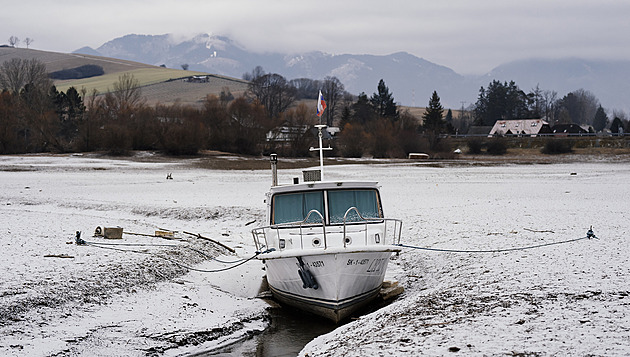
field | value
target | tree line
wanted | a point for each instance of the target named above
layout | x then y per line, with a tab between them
507	101
36	117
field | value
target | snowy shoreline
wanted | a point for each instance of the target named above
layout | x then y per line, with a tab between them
59	298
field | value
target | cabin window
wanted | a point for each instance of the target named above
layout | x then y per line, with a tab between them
366	201
294	207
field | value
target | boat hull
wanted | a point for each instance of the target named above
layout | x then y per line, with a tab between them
344	281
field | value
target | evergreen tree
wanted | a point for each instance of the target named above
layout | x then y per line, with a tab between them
383	102
346	116
433	117
72	113
481	108
362	109
449	116
501	101
601	119
616	125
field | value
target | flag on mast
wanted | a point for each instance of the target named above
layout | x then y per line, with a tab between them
321	105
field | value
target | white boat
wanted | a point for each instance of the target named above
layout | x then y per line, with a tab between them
326	244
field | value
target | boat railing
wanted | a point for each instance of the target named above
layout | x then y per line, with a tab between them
390	225
261	231
306	220
397	229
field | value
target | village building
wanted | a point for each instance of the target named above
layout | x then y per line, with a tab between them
520	127
568	129
287	134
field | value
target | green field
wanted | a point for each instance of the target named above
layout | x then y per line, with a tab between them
144	76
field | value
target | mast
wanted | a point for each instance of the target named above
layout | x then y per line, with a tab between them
321	150
274	169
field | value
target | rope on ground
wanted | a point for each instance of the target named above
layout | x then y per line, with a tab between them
211	240
213	258
589	235
217	270
112	246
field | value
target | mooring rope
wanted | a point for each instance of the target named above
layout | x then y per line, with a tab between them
589	235
213	258
217	270
112	246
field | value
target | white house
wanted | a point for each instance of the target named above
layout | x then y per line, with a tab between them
520	127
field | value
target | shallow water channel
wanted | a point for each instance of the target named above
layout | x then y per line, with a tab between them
289	332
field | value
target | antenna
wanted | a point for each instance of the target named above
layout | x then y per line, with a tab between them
321	150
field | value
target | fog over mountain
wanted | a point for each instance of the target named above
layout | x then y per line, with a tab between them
411	79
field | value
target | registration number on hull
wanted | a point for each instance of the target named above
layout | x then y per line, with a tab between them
374	266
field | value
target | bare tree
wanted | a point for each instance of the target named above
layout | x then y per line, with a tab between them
535	99
185	66
12	75
28	41
125	97
581	106
273	92
16	73
14	41
333	90
618	113
306	88
255	74
550	101
299	121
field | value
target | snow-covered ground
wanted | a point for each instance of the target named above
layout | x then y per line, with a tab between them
59	298
566	299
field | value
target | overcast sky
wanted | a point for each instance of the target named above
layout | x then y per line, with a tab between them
469	36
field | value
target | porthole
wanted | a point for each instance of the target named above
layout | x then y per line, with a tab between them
348	240
317	242
282	243
377	238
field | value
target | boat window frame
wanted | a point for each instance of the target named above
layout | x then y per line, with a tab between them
273	210
379	206
326	213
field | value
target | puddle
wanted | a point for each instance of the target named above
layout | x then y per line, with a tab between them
289	332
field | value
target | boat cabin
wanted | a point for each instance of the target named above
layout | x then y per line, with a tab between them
322	215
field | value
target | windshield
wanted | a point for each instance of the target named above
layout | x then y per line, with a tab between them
366	201
294	207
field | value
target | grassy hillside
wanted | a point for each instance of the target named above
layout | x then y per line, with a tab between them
145	76
56	61
159	85
180	91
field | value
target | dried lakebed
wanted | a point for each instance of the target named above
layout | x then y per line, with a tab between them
58	298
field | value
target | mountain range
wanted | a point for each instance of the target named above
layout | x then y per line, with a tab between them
411	79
